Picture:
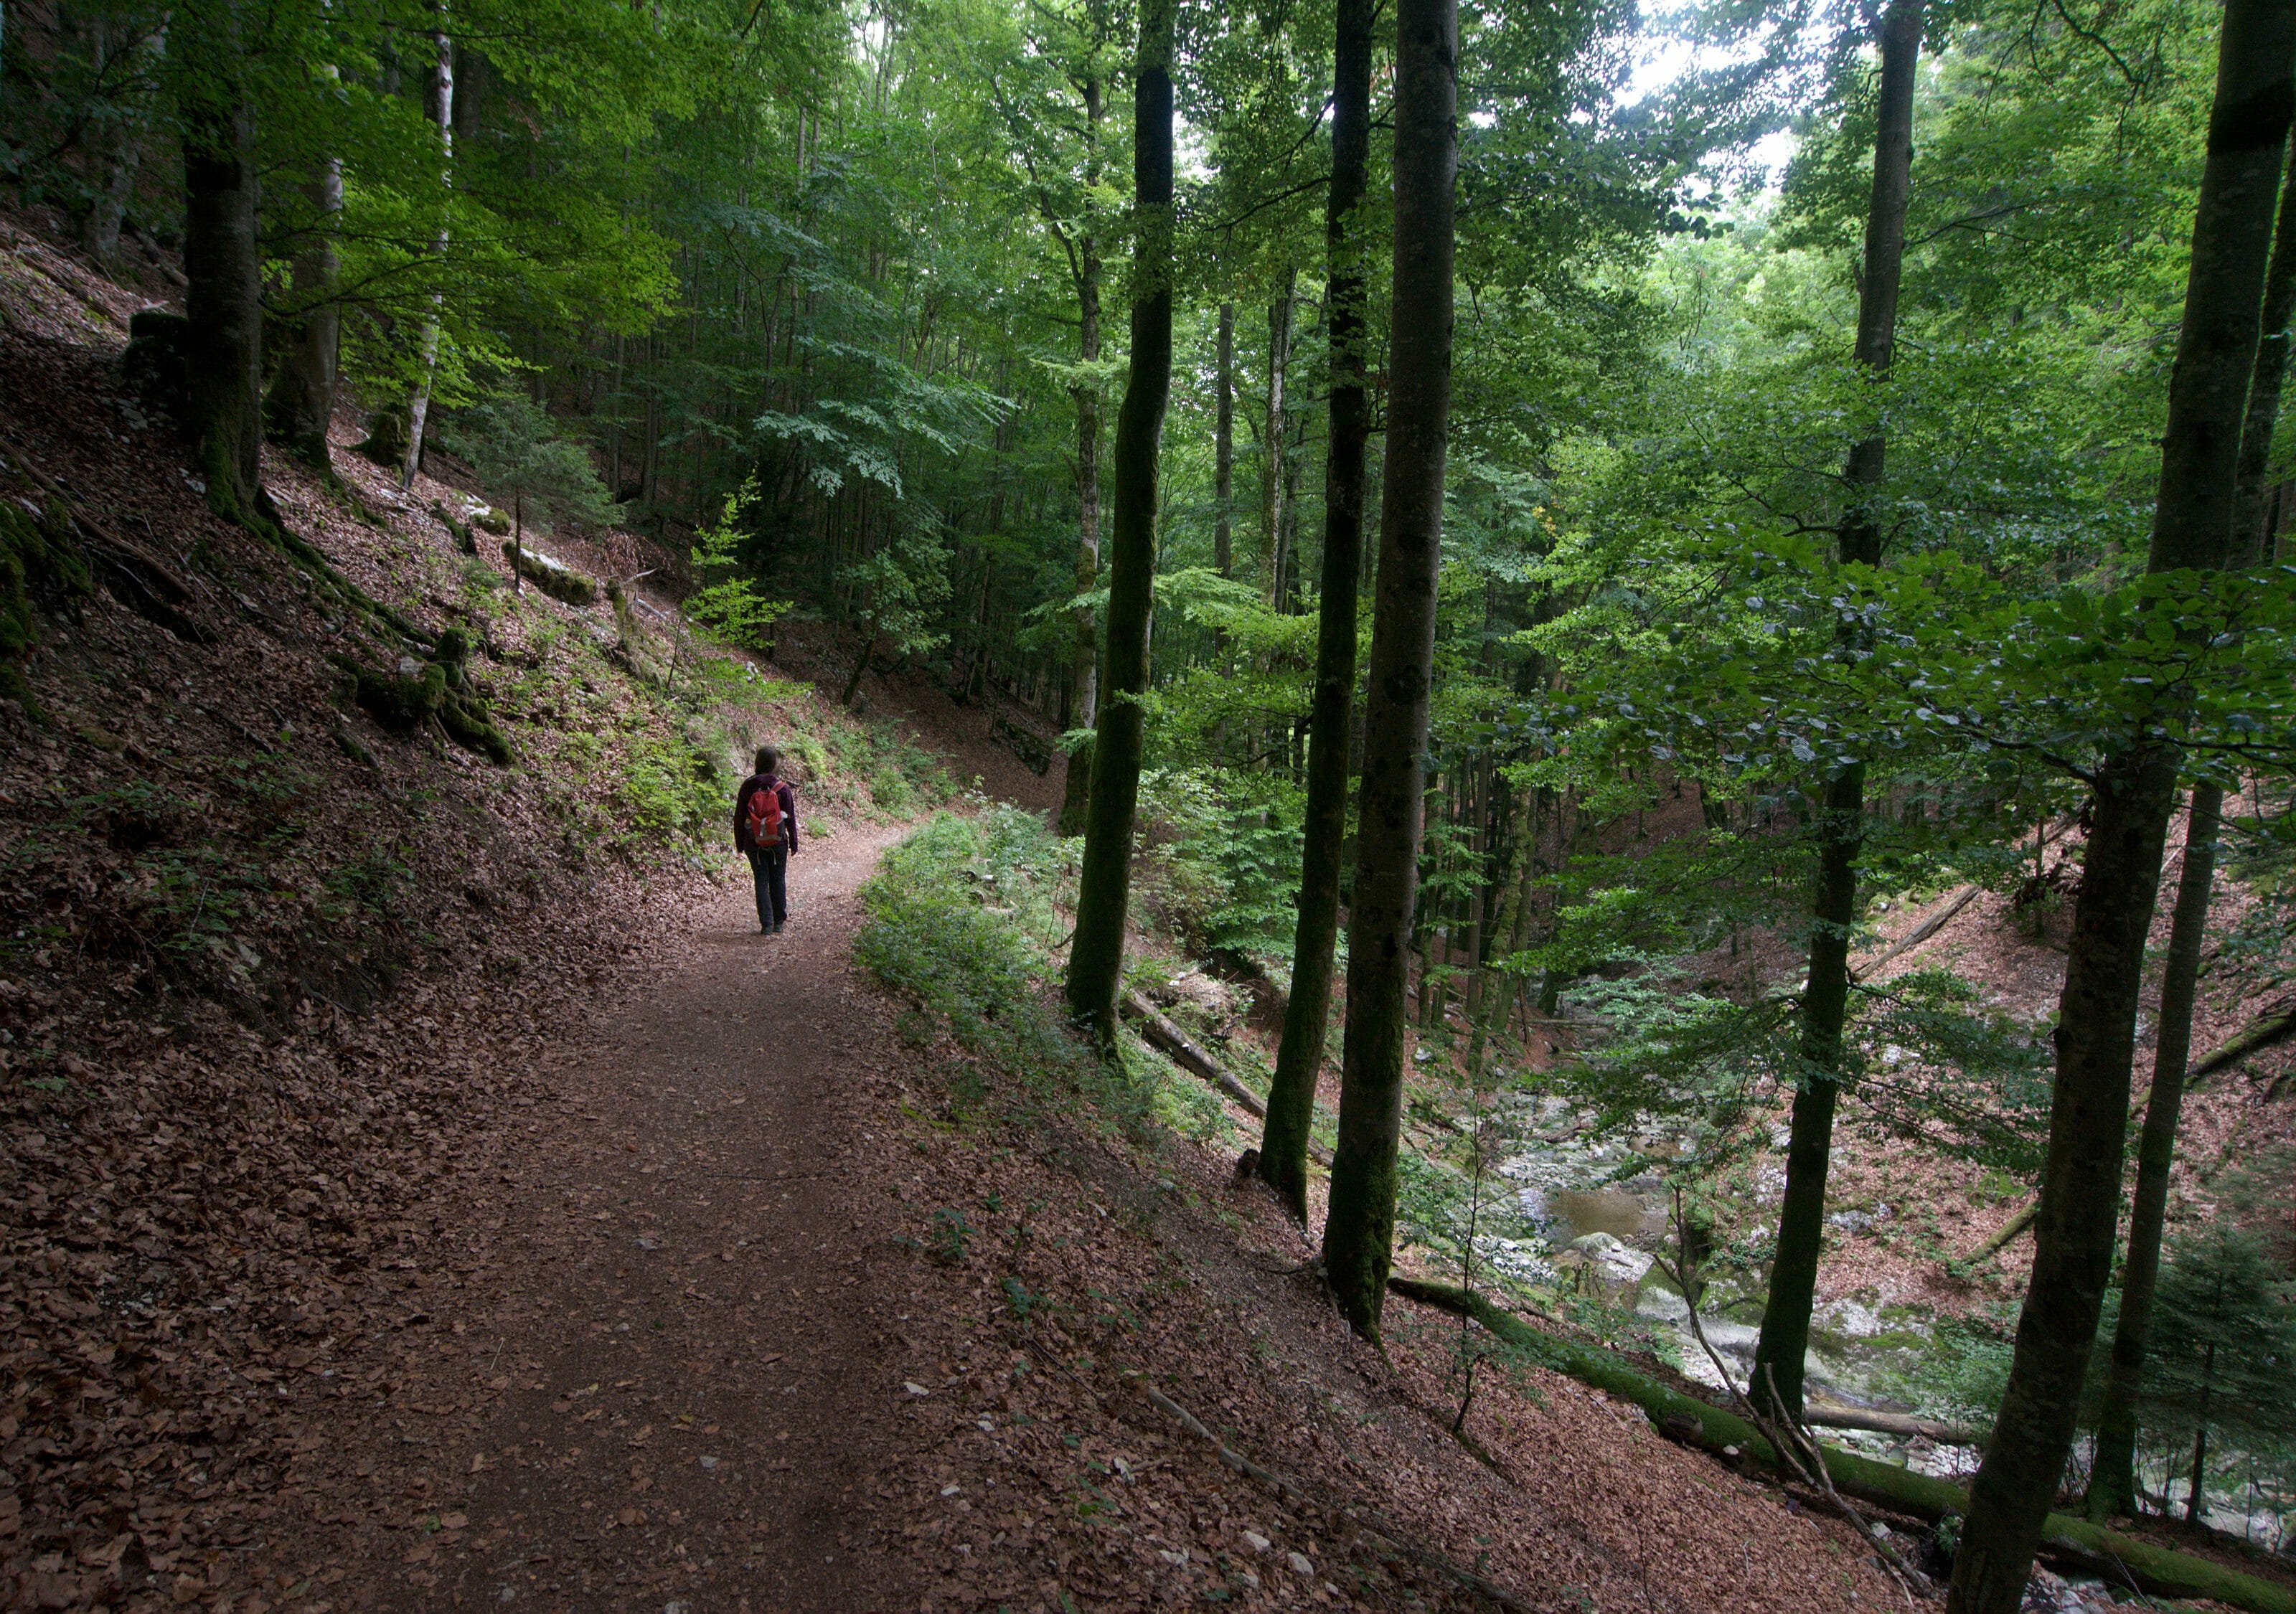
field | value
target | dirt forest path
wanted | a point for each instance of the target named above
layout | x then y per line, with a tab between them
650	1369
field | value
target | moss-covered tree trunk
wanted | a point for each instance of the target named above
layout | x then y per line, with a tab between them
1084	667
1358	1233
2132	797
1291	1094
1103	888
223	260
1785	1342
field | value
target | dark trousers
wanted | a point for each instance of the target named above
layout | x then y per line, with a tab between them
771	867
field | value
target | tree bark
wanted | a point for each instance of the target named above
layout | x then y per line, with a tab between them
1300	1056
1224	447
2133	795
302	401
1083	674
1271	459
223	261
1103	889
1358	1233
1785	1342
2112	1481
2251	525
440	105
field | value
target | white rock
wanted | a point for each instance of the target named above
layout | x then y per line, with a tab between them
1300	1563
1257	1541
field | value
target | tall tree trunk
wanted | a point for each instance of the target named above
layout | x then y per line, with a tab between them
1271	460
1358	1233
117	139
439	102
1291	1094
1084	674
2133	796
1784	1341
2251	520
1223	446
302	401
222	261
1103	888
2112	1481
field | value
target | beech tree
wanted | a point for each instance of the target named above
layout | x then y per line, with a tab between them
1359	1231
1096	954
2131	799
1300	1056
1784	1341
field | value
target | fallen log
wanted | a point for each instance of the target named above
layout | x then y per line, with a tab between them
1920	933
2019	1224
2089	1547
2273	1027
1828	1414
1185	1052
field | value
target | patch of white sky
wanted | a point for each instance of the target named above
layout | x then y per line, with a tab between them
1666	51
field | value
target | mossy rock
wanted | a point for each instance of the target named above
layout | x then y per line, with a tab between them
464	539
488	519
552	578
386	439
401	703
40	566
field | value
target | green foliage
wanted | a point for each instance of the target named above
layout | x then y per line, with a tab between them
731	609
526	460
1229	858
960	920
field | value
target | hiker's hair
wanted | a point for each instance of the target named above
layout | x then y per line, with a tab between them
769	759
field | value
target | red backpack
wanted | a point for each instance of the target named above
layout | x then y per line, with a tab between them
766	815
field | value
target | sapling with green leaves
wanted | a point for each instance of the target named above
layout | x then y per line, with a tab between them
523	455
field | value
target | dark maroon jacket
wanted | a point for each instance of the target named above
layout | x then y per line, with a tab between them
751	786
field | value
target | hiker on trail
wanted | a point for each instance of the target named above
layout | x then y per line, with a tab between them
765	827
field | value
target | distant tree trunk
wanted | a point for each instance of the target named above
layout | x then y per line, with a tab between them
1084	686
2193	1504
2132	797
1224	450
440	104
2112	1477
2251	521
302	401
1271	459
116	140
1291	1094
1358	1233
1103	889
222	261
1784	1340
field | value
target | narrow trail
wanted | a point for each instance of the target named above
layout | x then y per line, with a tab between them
648	1367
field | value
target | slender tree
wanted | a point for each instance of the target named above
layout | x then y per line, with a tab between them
1359	1231
1224	449
223	257
2132	797
1291	1094
302	398
439	102
1083	670
1103	889
1784	1341
1271	454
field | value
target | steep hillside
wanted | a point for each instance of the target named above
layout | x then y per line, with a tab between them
307	847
